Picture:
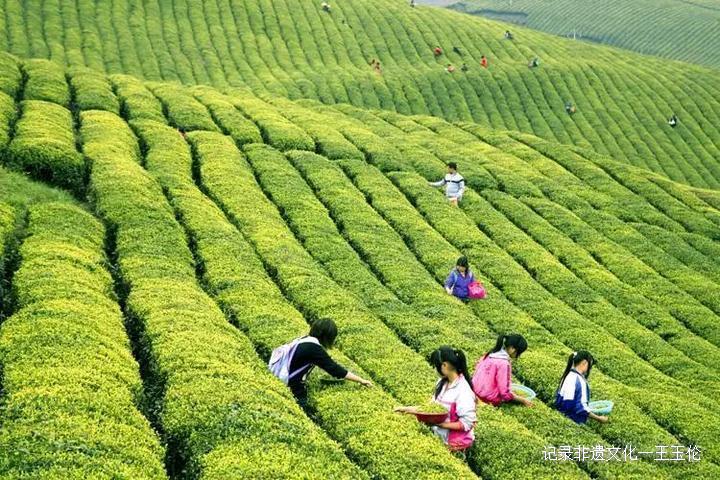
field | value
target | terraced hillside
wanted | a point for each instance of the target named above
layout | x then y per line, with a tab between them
132	346
677	29
293	49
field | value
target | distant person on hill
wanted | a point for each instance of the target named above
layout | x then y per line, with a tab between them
570	108
326	7
457	50
508	35
378	68
493	372
573	393
412	3
437	51
673	121
449	68
294	361
534	63
459	279
464	67
454	184
484	61
453	392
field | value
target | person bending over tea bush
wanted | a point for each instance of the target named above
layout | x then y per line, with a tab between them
493	371
293	362
573	393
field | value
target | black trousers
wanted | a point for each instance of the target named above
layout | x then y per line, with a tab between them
301	395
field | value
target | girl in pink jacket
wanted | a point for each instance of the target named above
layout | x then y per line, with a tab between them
491	382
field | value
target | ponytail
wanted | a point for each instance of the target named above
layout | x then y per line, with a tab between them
511	340
454	357
568	367
499	344
574	359
461	365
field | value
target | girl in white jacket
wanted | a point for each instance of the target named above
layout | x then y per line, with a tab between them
454	184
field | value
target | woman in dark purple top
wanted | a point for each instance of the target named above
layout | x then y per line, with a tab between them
459	279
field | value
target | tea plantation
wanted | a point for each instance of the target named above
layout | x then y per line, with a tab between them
675	29
292	48
160	239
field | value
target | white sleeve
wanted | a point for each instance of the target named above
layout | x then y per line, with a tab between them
439	183
465	409
584	395
567	389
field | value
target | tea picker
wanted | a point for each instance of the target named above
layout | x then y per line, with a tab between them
573	394
453	394
462	284
293	362
493	373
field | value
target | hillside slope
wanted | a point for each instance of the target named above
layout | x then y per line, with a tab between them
326	211
293	49
677	29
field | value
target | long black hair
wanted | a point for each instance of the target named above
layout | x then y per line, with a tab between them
325	330
454	357
510	340
574	359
